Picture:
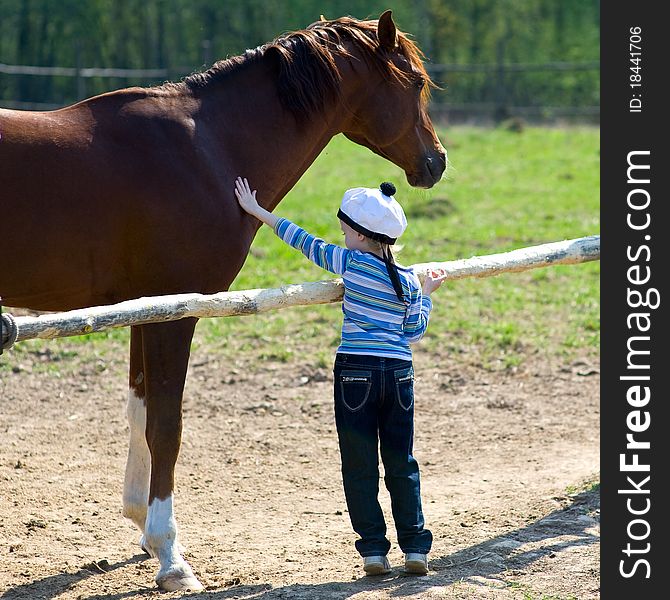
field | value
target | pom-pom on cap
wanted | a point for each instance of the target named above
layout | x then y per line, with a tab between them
374	212
387	188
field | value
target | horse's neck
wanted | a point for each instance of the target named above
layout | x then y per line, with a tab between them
290	156
269	147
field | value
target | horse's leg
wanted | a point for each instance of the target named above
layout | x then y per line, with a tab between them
166	348
138	467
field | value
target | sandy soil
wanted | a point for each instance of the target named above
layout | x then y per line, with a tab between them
508	460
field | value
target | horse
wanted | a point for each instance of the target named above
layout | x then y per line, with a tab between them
130	193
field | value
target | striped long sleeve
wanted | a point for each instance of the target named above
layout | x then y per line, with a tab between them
375	321
418	315
331	257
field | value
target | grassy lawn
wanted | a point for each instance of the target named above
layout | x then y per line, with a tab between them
503	191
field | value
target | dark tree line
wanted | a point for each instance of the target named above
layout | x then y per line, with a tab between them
185	35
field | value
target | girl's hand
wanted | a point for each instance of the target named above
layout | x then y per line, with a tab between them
245	196
248	202
434	279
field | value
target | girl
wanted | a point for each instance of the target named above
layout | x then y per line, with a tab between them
385	309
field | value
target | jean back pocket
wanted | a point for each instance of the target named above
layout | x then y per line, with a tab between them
355	388
404	387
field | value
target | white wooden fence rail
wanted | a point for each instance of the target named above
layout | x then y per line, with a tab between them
226	304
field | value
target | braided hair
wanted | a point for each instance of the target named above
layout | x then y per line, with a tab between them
385	242
388	189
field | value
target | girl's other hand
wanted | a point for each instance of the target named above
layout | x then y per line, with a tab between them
434	279
245	196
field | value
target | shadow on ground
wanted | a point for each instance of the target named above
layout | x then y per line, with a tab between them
564	528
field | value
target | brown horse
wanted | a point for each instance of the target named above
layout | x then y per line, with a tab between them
130	194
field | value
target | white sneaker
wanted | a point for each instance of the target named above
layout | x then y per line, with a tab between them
376	565
416	563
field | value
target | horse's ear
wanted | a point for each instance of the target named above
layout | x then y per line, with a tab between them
386	31
322	18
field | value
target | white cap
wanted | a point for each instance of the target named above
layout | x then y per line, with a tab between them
374	213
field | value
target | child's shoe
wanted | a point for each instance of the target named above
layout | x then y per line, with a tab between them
376	565
416	563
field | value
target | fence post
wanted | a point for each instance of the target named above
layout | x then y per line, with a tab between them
207	53
500	111
158	309
81	84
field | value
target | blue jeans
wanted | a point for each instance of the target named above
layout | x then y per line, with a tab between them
374	403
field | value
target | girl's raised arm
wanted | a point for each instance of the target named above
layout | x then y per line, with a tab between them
248	202
327	256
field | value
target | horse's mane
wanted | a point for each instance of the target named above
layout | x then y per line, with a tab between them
308	73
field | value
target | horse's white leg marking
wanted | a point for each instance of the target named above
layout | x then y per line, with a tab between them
138	467
161	538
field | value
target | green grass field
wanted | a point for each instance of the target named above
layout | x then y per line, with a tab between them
503	191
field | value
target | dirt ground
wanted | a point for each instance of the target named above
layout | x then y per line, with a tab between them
509	463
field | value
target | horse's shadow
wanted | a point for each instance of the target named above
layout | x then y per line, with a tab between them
490	559
54	585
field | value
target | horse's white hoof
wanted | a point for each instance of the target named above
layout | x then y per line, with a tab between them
177	580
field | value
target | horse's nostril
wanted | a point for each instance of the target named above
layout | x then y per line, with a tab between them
436	165
432	167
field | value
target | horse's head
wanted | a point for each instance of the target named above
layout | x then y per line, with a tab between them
365	79
389	102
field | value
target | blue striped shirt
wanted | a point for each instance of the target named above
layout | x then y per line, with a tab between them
375	321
